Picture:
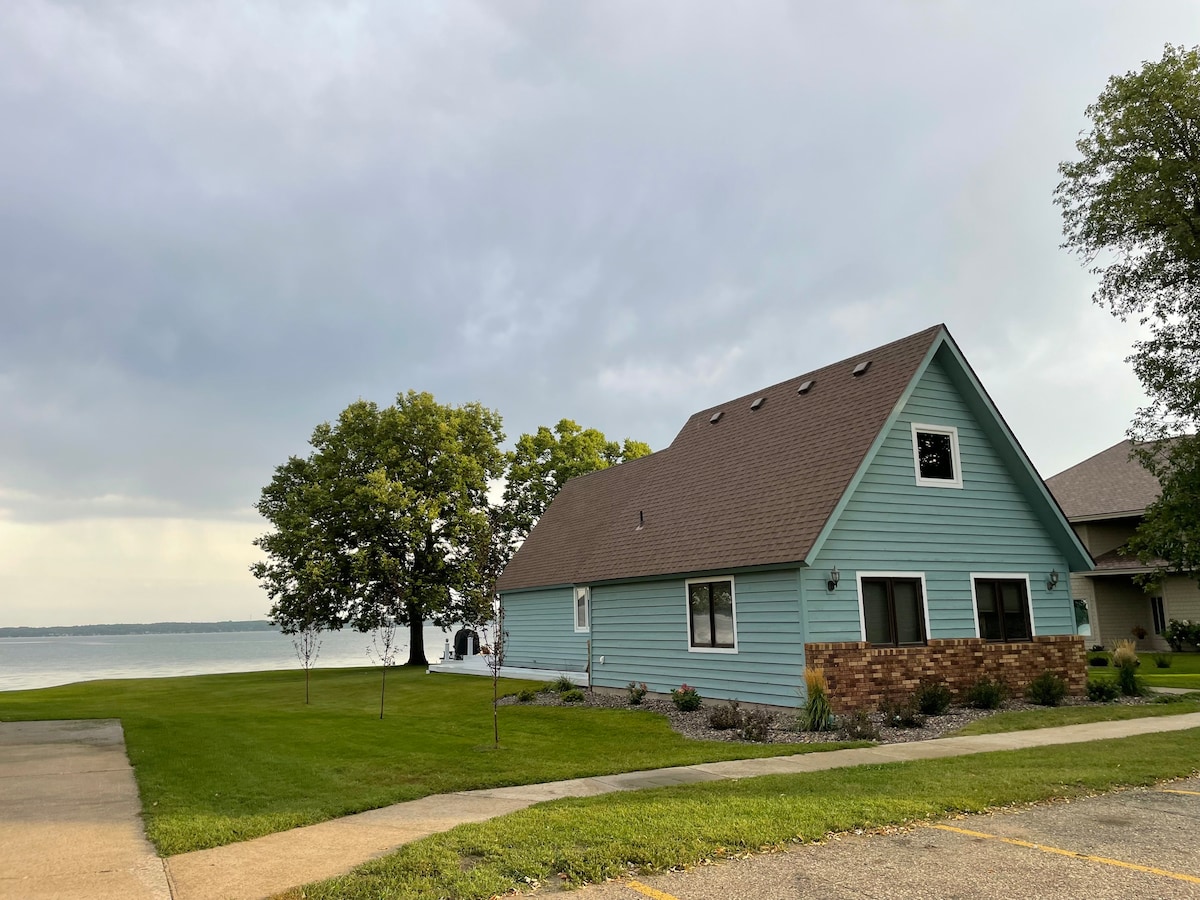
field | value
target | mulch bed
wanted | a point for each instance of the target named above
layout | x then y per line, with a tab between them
783	729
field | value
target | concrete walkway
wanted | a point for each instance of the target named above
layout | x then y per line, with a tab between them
271	864
70	819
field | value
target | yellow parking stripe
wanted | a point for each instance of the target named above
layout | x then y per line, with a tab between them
1165	873
648	891
1189	793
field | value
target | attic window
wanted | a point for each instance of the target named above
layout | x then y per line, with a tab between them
805	388
757	404
716	417
935	456
861	368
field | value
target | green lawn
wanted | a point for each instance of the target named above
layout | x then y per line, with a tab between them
1024	719
1184	671
588	840
224	758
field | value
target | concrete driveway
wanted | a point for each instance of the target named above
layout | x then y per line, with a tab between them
70	819
1142	843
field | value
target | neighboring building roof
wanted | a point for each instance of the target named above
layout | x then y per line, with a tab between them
1110	485
746	484
1114	562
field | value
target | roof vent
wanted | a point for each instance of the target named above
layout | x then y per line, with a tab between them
716	417
861	368
757	404
805	388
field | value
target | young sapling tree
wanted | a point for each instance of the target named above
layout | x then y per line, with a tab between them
386	647
307	642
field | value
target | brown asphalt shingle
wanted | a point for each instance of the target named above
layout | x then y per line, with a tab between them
754	489
1109	484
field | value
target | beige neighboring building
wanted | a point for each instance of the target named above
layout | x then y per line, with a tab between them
1104	498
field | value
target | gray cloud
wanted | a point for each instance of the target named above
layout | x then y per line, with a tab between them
220	224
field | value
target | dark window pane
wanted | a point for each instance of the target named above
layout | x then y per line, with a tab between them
698	601
722	606
1003	607
875	611
935	456
907	599
990	627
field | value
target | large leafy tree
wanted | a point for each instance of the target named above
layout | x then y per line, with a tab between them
1131	208
383	520
541	463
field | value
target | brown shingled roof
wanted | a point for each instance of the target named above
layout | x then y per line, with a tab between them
756	488
1108	485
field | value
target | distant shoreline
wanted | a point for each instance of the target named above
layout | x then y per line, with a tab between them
143	628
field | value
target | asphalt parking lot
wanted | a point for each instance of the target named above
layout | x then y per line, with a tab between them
1142	843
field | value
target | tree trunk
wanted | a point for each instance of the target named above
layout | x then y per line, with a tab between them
382	689
416	638
306	670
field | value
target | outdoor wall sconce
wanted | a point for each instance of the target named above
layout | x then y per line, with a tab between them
1052	580
834	577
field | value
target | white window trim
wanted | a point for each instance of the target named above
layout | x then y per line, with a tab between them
687	613
956	458
862	612
1007	576
586	627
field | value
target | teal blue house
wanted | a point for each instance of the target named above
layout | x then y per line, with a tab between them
875	517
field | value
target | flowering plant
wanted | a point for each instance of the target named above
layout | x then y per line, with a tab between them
685	698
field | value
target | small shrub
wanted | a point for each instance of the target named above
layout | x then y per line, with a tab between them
1161	660
1102	691
1098	660
756	725
1125	658
1139	633
686	699
1047	689
726	716
527	696
901	713
987	693
1125	654
817	714
637	692
858	726
1180	632
574	695
562	684
932	698
1128	682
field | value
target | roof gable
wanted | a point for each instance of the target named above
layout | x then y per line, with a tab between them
748	484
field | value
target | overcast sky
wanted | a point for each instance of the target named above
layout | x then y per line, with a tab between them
221	223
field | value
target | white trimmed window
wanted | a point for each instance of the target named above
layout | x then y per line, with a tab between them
712	615
892	608
935	456
1003	613
583	609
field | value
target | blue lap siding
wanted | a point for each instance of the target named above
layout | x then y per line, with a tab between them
641	630
541	630
893	524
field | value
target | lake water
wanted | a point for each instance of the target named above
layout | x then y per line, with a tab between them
45	662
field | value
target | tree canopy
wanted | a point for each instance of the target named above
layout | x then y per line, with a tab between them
542	463
383	519
388	518
1131	208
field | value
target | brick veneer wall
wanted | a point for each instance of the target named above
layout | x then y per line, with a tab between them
859	675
